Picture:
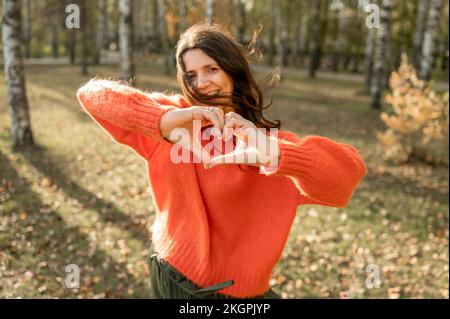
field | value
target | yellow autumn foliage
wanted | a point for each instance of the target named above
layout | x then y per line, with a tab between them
418	124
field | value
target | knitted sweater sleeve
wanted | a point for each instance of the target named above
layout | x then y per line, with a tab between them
324	172
130	116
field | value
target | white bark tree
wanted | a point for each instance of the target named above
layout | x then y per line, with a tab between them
22	135
210	11
429	41
383	38
102	30
126	41
418	34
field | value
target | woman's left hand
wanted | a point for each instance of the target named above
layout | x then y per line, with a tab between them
253	146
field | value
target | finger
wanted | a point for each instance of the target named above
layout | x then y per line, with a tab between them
222	159
220	115
211	116
229	127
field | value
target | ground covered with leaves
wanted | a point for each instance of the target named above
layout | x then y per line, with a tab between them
79	198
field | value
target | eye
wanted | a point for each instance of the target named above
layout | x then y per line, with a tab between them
191	76
213	69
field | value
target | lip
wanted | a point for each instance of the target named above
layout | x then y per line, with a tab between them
215	92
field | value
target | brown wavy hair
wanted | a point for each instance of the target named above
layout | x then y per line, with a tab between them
215	41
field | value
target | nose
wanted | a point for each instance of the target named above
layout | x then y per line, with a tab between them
202	82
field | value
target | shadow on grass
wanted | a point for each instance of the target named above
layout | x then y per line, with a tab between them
46	237
41	160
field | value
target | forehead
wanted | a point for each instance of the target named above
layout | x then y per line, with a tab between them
196	59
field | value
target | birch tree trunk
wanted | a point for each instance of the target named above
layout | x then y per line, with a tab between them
126	41
210	11
382	45
102	30
418	34
429	41
15	76
368	61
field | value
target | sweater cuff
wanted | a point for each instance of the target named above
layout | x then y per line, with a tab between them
148	119
295	160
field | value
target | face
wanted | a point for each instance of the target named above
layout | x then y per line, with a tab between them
206	74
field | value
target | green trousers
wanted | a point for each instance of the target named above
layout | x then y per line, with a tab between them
168	283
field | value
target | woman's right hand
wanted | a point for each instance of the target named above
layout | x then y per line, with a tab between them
184	117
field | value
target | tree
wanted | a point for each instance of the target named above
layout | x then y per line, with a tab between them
303	41
281	24
339	43
210	11
182	12
155	21
27	28
272	33
84	44
240	15
55	21
382	45
368	61
15	77
71	41
126	41
316	38
418	34
164	37
102	30
429	42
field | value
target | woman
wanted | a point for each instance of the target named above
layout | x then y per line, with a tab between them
222	220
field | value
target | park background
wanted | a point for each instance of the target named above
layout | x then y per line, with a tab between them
69	195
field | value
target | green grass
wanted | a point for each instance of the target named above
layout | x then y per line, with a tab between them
79	198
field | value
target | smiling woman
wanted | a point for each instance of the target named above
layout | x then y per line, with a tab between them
214	69
219	232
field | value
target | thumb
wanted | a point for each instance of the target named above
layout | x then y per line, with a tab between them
221	159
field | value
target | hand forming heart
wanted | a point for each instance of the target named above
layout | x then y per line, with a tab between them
253	146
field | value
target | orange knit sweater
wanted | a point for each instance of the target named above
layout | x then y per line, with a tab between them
231	221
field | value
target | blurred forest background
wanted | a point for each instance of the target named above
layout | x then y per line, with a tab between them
370	73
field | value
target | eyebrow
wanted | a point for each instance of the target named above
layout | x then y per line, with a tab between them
205	66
